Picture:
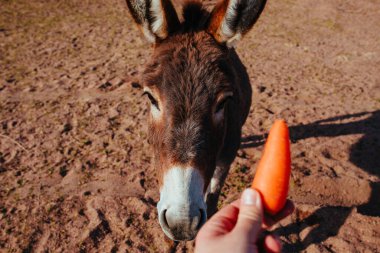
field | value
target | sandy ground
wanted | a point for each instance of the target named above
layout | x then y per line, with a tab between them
74	161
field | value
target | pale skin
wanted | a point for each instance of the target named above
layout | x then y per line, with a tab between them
239	227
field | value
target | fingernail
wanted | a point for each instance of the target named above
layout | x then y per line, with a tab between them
251	197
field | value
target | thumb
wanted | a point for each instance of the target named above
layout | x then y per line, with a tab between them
250	215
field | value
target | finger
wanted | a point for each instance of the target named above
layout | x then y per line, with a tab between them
286	211
272	244
221	223
236	203
250	215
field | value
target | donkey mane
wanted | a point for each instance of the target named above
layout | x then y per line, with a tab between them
195	17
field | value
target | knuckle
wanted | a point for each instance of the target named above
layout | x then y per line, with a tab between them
252	216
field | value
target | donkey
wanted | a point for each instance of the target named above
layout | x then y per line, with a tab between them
200	96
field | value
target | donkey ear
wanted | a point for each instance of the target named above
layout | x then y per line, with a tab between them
231	19
156	18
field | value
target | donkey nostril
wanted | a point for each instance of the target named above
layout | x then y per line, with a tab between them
164	220
203	218
199	219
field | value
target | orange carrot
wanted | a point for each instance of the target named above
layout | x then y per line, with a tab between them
273	172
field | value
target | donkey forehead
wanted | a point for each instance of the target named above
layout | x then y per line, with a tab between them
189	66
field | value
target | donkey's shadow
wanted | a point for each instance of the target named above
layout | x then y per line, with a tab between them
326	221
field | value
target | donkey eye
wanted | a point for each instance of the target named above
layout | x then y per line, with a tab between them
222	104
153	101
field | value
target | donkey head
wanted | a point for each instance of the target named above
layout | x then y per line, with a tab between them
192	86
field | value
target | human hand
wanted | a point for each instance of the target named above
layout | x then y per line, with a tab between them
238	226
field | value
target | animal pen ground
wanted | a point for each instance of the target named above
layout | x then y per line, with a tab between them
74	162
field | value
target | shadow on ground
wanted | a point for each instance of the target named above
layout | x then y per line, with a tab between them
326	221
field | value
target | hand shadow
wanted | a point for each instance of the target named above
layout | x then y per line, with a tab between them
320	225
366	155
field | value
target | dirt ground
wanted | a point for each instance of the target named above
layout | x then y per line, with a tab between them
75	171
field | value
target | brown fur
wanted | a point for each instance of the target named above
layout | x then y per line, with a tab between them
216	19
188	71
189	76
170	16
